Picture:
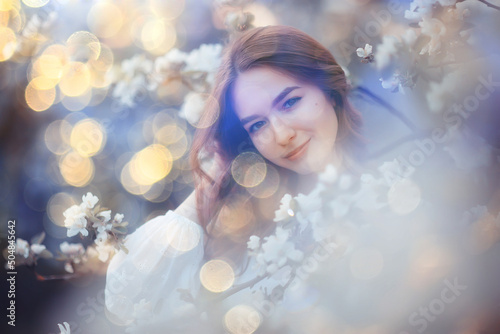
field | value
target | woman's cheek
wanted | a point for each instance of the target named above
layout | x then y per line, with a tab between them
263	138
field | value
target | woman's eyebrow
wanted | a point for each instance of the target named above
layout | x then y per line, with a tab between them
282	95
276	100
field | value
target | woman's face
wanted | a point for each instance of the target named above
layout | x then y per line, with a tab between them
291	123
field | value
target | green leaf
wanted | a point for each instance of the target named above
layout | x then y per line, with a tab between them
119	230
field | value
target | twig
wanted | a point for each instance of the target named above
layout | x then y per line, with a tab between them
490	4
238	287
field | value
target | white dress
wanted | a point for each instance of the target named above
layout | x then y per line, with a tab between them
164	257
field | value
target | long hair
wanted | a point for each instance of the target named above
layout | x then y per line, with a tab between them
291	52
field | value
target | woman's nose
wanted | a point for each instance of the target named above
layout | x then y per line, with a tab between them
283	131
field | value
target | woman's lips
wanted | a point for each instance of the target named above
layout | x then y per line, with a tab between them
298	152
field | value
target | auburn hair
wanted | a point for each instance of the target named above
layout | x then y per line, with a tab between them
282	48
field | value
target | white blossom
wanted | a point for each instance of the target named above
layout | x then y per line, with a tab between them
253	243
345	182
393	84
409	37
68	267
66	329
329	175
367	198
169	64
419	9
206	58
135	65
22	247
193	106
172	60
127	89
118	217
435	29
284	211
309	203
422	9
72	250
105	249
276	250
106	215
75	221
89	201
37	248
341	205
365	52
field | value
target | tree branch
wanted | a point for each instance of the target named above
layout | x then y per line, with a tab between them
490	4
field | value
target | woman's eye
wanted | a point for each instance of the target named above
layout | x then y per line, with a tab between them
256	126
290	102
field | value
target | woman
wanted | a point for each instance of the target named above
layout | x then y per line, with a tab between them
278	93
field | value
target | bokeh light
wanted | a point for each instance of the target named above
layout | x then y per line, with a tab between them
249	169
8	43
35	3
242	319
56	137
87	138
404	196
83	46
151	164
177	237
76	170
105	19
216	276
168	9
75	79
39	95
268	186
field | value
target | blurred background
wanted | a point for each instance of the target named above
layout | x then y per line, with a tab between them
104	97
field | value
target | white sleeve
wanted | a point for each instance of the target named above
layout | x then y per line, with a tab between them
164	255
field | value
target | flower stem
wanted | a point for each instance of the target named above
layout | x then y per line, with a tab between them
490	4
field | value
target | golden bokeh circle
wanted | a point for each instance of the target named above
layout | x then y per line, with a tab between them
242	319
87	137
8	43
39	99
217	276
76	170
35	3
75	80
105	19
151	164
248	169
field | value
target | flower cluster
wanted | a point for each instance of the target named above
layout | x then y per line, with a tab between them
306	219
195	69
89	218
28	253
